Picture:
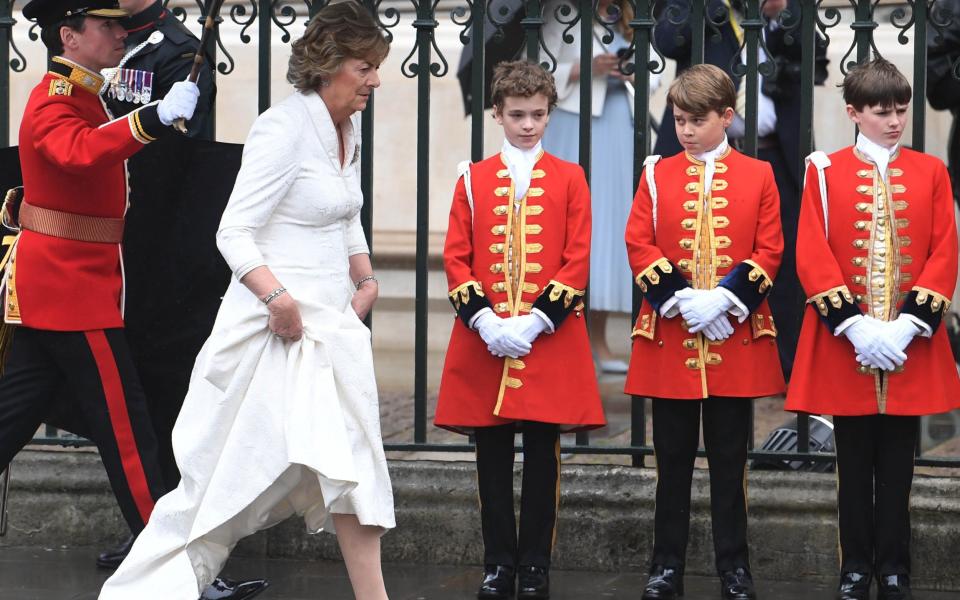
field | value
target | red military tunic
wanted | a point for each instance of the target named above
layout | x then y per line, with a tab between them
72	157
684	235
513	261
845	272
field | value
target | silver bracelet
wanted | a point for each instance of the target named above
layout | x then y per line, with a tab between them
273	295
365	279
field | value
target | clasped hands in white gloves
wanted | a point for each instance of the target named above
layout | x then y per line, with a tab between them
706	311
502	339
881	344
179	103
511	337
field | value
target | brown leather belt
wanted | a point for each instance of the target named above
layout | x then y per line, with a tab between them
82	228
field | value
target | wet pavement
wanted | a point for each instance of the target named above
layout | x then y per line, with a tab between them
40	574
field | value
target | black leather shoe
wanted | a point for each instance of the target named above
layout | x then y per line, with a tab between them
737	585
854	586
534	583
894	587
497	583
225	589
111	559
665	583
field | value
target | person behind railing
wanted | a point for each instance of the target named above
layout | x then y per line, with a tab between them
282	415
517	258
778	121
705	243
877	255
611	170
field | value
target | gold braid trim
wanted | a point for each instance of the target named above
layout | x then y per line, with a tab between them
461	294
651	274
937	301
757	273
569	294
833	297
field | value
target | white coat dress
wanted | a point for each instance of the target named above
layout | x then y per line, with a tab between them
272	428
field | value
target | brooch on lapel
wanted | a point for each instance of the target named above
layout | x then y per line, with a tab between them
356	154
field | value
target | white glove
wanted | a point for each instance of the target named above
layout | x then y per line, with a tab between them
874	346
902	330
528	327
179	103
701	307
501	340
718	329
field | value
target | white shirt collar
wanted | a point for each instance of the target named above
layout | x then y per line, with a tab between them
711	155
709	158
520	164
879	155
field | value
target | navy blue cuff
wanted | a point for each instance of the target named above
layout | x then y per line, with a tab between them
835	306
926	305
468	300
749	283
660	281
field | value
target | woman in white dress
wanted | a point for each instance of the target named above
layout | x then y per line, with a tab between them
282	415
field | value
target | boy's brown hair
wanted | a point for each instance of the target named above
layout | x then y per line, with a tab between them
521	79
701	89
873	83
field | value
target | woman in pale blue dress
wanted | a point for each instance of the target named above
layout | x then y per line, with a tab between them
611	178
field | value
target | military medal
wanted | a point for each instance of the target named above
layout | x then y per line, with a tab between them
128	76
147	90
137	84
121	85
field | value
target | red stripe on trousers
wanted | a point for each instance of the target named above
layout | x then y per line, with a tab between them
120	422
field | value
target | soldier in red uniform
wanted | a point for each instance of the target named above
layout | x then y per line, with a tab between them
704	242
517	261
877	256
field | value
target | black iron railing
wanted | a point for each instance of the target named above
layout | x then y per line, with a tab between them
477	19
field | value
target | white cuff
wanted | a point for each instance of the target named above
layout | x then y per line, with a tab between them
739	309
925	330
546	320
669	309
847	323
479	313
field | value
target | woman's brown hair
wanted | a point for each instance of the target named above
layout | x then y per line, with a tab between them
339	31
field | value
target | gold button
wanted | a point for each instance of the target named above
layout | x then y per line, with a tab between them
660	343
745	341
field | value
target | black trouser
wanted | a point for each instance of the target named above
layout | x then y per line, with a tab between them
874	472
95	365
787	299
676	436
539	496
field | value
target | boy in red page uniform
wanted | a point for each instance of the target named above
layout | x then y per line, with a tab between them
877	256
517	260
704	243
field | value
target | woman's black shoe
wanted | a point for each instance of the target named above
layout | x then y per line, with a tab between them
497	583
894	587
534	583
665	583
854	586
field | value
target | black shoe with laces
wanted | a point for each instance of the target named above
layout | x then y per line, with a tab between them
664	583
854	586
737	585
497	584
534	583
894	587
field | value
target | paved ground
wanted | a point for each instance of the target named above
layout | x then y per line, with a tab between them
38	574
